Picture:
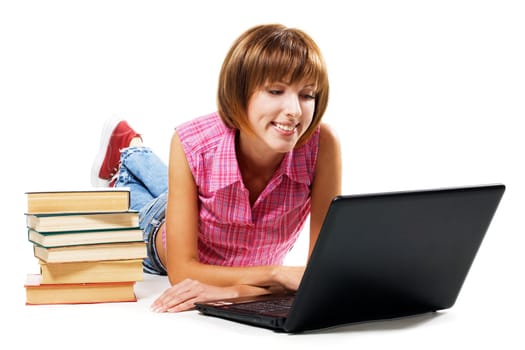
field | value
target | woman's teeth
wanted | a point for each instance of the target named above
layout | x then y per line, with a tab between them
285	127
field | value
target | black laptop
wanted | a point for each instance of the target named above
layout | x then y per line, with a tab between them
379	256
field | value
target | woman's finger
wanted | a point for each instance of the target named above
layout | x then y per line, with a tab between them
178	294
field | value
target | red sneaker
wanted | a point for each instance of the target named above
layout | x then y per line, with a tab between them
116	135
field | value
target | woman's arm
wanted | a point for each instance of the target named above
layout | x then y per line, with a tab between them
191	280
327	180
182	230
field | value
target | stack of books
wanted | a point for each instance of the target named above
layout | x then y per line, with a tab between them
88	245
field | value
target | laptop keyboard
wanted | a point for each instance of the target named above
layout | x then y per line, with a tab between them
279	306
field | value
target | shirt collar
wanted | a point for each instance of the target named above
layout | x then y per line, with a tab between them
294	166
225	168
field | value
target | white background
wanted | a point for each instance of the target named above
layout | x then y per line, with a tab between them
423	94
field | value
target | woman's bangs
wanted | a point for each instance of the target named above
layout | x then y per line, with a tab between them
292	66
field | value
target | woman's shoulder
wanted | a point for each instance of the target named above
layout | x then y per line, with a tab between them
328	136
202	132
329	156
323	145
202	124
325	136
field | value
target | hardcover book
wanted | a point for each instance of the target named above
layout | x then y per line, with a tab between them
58	222
38	293
92	271
95	199
91	252
66	238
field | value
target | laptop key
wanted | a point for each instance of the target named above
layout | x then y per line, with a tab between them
281	305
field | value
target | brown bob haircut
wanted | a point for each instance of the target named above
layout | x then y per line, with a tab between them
266	54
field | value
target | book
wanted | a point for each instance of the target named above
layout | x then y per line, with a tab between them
92	271
38	293
58	222
89	200
66	238
91	252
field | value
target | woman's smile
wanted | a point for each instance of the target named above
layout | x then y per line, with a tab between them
286	129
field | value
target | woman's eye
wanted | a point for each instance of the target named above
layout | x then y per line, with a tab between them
275	92
309	96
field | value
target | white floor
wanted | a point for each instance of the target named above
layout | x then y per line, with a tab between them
423	94
127	325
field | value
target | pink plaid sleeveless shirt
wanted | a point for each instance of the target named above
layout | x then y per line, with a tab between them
231	232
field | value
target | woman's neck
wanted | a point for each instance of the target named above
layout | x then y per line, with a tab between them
257	164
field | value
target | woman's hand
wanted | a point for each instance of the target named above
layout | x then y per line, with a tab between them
289	277
183	295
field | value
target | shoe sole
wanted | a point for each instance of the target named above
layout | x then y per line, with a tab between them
107	130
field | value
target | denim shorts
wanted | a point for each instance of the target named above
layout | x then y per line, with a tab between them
151	217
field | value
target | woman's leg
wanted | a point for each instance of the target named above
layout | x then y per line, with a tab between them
122	161
144	173
151	218
116	136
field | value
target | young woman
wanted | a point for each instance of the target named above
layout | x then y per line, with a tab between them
242	181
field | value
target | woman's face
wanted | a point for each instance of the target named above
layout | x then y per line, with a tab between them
280	113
